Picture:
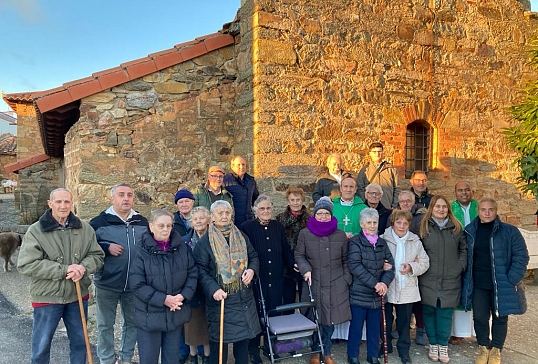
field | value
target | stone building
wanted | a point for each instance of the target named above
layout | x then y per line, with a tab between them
286	84
8	154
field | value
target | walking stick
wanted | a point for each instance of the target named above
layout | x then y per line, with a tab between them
84	327
385	350
221	334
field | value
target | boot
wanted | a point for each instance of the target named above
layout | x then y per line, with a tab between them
205	359
495	356
443	354
314	359
483	357
193	359
328	359
433	354
419	337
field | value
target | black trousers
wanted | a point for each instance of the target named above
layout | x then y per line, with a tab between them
240	350
403	319
483	308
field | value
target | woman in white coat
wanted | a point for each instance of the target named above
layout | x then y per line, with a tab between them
410	261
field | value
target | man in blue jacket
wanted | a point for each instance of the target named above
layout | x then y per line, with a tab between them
496	264
118	229
243	188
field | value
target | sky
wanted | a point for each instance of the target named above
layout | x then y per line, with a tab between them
46	43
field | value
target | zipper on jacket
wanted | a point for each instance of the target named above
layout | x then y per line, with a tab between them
494	274
127	224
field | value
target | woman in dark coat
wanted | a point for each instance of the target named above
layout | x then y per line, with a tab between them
293	219
440	287
321	256
163	278
269	240
227	262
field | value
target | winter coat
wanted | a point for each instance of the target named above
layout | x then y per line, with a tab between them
244	193
387	178
156	273
201	197
413	250
424	198
292	226
179	225
326	258
325	185
448	260
46	252
366	266
509	257
274	254
384	214
240	316
109	228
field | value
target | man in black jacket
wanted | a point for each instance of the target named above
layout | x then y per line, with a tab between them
118	229
243	188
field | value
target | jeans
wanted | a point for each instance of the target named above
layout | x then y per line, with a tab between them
438	323
106	303
240	350
403	318
373	328
151	343
483	307
46	319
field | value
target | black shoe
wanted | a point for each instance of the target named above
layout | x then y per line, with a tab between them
183	358
255	359
372	360
405	360
193	359
205	359
351	360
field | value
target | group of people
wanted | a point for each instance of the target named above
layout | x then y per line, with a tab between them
366	242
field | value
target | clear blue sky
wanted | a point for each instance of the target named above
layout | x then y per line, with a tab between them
48	42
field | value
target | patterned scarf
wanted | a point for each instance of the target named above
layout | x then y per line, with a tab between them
230	255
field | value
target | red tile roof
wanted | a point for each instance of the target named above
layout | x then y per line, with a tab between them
8	144
23	163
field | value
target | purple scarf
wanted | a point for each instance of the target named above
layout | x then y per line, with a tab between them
319	228
371	238
164	245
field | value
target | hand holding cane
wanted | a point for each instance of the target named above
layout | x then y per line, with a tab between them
84	326
221	333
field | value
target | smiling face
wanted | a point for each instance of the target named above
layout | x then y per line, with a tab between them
369	225
348	189
295	202
376	154
61	204
239	166
405	202
161	227
335	165
464	194
419	183
323	215
373	196
199	222
440	209
215	180
264	210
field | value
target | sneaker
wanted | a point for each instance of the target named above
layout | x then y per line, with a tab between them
443	354
433	354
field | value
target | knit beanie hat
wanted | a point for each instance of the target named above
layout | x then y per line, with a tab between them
183	194
324	203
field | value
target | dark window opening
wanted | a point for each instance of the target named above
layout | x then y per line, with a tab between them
417	147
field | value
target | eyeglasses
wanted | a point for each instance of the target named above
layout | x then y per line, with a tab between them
216	176
323	214
375	194
265	208
405	201
420	180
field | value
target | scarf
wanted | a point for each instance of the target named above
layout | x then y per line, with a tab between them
164	245
371	238
399	257
230	255
441	224
324	228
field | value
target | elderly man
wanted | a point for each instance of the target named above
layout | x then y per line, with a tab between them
496	265
243	188
212	190
348	206
419	186
464	208
374	194
119	229
184	201
56	252
381	172
329	183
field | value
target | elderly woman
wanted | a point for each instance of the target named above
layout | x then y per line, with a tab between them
163	278
373	194
440	287
269	240
294	219
196	329
321	255
227	262
184	201
410	261
367	256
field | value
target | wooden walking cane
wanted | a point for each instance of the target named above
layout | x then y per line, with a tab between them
385	349
84	327
221	333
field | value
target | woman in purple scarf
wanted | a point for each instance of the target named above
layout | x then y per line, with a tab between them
321	256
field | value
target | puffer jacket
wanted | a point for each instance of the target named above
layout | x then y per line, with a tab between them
244	193
326	258
509	257
387	178
156	273
366	266
47	251
201	197
109	228
409	293
325	185
240	316
179	225
448	259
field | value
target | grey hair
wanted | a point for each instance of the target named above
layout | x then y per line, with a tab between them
409	193
369	213
119	185
218	203
260	198
203	209
374	185
155	214
51	196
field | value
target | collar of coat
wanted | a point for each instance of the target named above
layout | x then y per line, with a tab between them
49	223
